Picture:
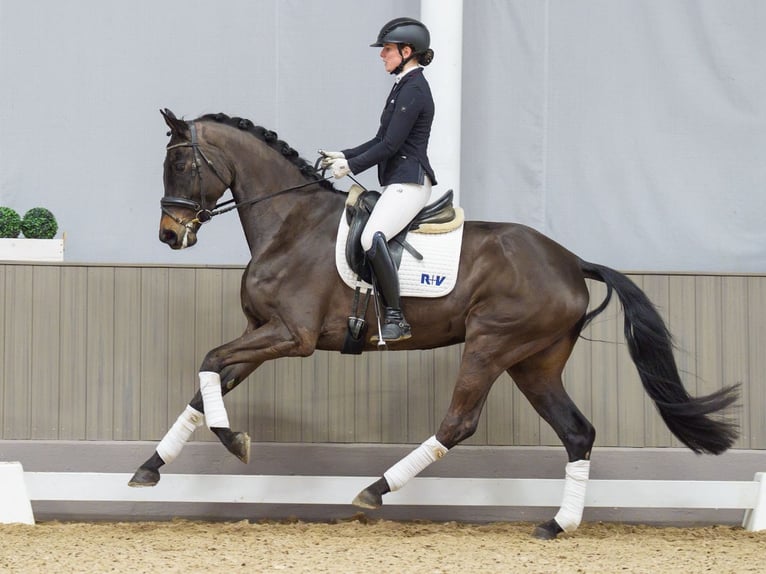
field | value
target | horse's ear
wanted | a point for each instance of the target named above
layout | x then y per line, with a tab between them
177	127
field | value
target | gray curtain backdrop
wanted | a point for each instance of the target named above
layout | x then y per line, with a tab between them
633	132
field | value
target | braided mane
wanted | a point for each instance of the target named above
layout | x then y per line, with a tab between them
271	139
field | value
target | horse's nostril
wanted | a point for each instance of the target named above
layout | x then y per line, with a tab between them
168	236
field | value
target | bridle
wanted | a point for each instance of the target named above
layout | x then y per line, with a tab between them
203	214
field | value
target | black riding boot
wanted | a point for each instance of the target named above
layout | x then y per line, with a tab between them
395	327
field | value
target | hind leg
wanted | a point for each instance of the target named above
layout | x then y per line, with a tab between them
539	378
148	474
477	374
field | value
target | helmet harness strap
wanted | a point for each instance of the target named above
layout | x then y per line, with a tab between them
398	70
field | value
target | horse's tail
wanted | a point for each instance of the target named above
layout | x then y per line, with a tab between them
651	348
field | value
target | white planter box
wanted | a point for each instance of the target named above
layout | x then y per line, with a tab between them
21	249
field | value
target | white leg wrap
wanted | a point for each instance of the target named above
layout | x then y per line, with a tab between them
175	439
215	411
570	513
412	464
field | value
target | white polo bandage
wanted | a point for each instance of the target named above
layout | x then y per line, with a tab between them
573	503
175	439
212	399
414	463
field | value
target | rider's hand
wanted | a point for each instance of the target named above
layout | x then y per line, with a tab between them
329	156
340	168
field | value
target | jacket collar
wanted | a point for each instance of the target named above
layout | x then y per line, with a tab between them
407	72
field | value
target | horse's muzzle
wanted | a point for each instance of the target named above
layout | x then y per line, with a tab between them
175	235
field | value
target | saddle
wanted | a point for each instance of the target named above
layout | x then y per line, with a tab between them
433	218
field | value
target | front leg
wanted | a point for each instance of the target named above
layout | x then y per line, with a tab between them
235	361
217	419
148	474
255	347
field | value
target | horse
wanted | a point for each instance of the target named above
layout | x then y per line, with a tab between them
519	306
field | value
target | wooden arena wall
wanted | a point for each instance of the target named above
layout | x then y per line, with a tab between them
110	353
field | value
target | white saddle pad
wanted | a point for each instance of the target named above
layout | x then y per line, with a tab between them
434	276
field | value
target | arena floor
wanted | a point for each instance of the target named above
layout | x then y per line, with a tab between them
359	545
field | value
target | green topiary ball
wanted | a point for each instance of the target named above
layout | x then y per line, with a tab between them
10	223
39	223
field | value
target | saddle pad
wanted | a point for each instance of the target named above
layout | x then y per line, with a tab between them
434	276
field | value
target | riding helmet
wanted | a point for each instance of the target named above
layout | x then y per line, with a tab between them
404	31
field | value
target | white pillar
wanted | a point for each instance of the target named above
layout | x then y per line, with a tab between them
444	20
14	500
755	518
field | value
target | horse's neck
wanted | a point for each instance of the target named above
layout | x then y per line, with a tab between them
283	219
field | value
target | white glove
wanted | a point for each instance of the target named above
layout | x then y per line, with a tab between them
340	168
329	156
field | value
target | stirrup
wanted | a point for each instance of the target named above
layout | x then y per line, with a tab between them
396	327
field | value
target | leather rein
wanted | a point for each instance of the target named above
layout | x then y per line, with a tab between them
203	214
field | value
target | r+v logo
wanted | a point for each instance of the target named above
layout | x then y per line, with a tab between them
437	280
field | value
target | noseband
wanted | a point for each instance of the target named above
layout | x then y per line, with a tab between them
201	213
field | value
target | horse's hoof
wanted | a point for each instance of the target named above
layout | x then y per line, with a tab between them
239	446
144	477
547	530
368	499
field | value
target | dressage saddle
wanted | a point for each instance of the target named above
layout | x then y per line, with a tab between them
359	206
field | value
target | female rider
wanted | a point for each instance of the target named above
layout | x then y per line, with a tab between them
399	149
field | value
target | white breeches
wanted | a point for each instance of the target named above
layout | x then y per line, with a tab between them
397	206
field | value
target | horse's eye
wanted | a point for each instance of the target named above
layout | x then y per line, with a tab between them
180	166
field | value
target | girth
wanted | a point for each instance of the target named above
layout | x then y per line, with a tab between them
358	212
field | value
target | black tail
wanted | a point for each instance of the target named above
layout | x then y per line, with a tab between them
651	347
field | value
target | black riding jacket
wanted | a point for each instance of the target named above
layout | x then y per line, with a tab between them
399	149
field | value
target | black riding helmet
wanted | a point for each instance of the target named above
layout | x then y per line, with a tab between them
406	32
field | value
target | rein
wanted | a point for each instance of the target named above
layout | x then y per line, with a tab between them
203	214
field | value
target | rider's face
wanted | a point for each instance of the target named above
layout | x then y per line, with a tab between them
390	56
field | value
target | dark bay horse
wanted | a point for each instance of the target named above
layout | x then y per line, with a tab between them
519	306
